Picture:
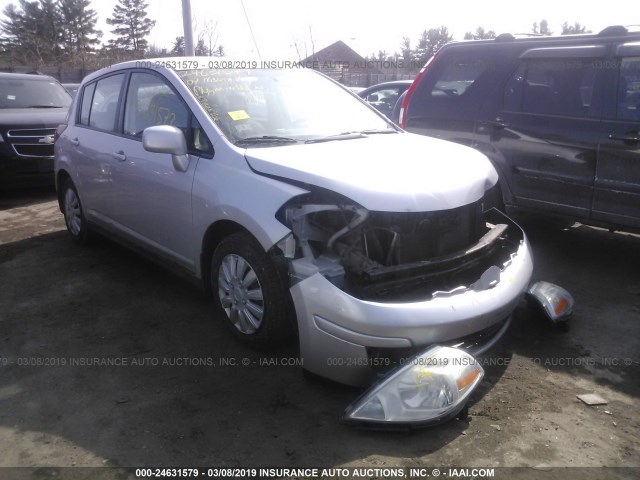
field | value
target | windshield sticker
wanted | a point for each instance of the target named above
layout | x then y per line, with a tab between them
238	115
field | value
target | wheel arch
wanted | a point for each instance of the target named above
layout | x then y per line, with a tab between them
211	239
221	229
61	176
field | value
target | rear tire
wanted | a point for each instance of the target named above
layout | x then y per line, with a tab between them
248	292
74	214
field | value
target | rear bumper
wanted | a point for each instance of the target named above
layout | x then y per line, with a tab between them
338	332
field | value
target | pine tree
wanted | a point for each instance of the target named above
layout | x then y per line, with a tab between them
31	31
201	49
543	29
78	28
430	42
480	34
131	25
573	29
178	47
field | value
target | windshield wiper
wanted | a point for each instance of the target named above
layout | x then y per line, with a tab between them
375	131
266	139
45	106
350	135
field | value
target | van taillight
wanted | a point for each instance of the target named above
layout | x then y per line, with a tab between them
59	130
405	102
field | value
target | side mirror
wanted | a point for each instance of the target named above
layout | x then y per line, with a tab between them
167	139
372	98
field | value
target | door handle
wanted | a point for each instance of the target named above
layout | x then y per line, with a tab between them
120	156
75	142
499	124
631	137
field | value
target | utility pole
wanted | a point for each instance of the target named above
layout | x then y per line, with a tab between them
188	31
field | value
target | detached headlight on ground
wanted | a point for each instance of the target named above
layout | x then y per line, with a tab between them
555	300
430	388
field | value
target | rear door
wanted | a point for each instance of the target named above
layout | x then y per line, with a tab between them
544	136
92	139
617	185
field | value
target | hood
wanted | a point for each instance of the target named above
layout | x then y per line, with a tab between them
32	117
385	172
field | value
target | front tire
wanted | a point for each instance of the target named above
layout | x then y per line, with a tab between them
249	293
74	214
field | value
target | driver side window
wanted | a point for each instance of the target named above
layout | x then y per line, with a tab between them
150	101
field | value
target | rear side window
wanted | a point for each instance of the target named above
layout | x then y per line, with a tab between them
104	106
452	85
457	77
561	87
628	97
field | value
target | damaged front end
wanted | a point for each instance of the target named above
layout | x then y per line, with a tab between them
380	296
397	256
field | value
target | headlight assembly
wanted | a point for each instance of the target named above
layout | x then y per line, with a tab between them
431	387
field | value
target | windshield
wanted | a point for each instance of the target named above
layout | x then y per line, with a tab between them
279	106
36	93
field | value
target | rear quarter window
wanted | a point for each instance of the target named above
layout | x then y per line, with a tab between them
455	84
87	98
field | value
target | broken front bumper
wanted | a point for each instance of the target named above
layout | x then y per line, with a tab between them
339	332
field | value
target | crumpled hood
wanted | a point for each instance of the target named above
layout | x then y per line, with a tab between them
385	172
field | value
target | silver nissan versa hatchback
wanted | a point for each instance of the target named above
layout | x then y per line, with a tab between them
306	214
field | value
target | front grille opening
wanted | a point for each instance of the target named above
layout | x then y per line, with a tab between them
31	132
417	281
29	150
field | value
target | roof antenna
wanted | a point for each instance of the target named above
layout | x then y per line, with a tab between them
251	29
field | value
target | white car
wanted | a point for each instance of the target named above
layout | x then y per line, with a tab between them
305	215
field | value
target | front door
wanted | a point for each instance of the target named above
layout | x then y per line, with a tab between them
154	199
617	187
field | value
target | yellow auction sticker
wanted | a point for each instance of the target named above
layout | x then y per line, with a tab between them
238	115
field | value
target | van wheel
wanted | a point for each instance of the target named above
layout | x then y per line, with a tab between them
74	214
248	292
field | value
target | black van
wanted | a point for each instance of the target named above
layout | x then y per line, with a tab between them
559	117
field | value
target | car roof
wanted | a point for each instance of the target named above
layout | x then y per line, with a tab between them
27	76
520	41
175	64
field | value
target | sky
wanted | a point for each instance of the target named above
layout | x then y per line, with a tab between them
367	26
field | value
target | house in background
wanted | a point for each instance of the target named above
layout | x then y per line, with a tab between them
342	63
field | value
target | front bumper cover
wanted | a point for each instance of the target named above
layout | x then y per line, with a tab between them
337	330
